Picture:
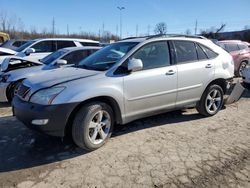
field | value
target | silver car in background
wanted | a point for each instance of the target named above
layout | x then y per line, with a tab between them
16	69
125	81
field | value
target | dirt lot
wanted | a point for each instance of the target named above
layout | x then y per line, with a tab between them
178	149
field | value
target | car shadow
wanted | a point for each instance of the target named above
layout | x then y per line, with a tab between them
4	105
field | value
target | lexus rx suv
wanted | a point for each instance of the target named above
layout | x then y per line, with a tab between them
125	81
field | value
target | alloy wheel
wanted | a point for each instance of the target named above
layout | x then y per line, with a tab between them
213	101
99	127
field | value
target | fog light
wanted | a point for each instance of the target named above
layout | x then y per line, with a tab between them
40	121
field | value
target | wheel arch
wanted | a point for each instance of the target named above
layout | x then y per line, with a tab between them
219	81
105	99
11	85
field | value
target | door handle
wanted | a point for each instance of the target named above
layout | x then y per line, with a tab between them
170	72
208	66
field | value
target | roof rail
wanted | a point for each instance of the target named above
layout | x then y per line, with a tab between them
166	35
176	35
133	38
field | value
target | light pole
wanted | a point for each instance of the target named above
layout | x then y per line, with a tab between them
121	8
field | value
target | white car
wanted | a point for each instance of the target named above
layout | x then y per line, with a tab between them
15	69
39	48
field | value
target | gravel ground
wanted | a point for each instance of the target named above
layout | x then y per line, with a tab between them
177	149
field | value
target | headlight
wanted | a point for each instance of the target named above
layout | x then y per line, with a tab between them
46	96
4	78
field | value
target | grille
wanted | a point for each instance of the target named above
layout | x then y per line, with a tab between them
22	91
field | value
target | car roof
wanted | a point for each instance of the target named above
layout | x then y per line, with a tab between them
82	48
67	39
230	41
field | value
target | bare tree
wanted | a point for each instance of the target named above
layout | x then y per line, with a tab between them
161	28
213	32
246	27
3	21
221	28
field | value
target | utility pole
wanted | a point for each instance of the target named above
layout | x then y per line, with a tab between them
53	26
121	8
136	32
68	29
103	28
195	29
117	30
99	33
149	27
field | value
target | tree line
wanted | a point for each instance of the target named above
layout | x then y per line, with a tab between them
14	26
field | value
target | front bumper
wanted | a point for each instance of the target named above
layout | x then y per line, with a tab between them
57	116
3	87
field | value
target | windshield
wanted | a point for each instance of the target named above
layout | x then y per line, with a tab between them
25	45
105	58
50	58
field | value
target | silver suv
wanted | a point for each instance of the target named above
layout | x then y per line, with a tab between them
125	81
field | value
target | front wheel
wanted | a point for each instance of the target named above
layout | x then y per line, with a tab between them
12	90
241	68
93	125
211	101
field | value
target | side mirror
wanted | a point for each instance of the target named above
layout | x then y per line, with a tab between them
135	65
30	51
61	62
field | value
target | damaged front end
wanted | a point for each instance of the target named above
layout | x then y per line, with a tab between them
13	63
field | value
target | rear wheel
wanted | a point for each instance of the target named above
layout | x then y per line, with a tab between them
211	101
93	125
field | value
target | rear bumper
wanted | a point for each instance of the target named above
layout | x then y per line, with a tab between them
3	87
56	115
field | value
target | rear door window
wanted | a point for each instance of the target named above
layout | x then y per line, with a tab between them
185	51
64	44
76	56
232	47
43	46
90	44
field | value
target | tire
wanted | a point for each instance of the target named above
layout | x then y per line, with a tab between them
246	85
90	129
211	98
12	89
241	67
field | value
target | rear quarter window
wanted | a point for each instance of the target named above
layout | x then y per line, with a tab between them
210	53
201	54
242	46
